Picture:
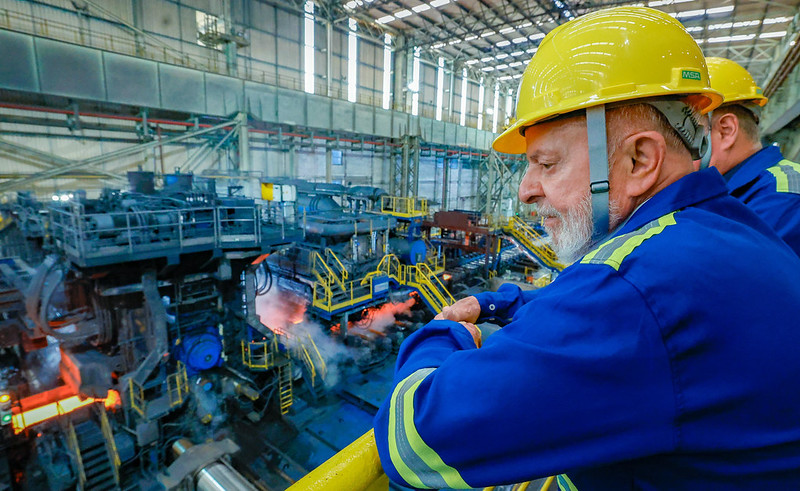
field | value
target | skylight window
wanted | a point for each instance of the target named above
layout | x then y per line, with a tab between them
519	40
385	19
776	20
421	8
502	43
700	12
402	13
725	39
776	34
661	3
439	3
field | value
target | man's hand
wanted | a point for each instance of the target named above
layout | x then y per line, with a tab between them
465	310
473	329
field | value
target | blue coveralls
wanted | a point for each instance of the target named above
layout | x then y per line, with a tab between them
770	186
666	358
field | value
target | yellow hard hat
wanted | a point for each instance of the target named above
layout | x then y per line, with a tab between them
734	82
607	56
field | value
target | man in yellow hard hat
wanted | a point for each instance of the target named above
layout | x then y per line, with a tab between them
660	359
758	176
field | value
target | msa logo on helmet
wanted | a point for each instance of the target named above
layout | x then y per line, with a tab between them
691	75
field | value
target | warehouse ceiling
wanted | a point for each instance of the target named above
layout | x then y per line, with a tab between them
498	37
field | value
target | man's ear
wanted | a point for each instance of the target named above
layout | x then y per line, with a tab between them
726	128
642	156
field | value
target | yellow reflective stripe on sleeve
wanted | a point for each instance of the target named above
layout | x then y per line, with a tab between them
615	260
413	459
787	176
428	455
615	250
781	178
565	484
588	257
394	453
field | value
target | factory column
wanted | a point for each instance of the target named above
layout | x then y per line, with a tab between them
244	142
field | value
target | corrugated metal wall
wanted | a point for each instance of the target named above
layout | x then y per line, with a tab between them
275	52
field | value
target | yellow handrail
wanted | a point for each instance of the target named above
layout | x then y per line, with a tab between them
342	270
357	467
533	241
406	207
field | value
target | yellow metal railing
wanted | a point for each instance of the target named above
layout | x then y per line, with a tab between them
285	396
177	385
259	355
419	276
533	241
324	273
353	292
136	393
111	445
436	262
332	258
72	443
355	468
306	351
404	207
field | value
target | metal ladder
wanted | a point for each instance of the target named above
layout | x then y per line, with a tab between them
285	386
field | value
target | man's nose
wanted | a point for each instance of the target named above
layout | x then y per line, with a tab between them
530	188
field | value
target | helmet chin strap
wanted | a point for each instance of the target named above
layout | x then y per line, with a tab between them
705	160
598	170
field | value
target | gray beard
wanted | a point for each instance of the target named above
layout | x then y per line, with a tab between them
574	237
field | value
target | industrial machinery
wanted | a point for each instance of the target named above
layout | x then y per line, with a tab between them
165	323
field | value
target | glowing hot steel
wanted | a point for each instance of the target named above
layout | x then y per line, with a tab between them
25	419
279	310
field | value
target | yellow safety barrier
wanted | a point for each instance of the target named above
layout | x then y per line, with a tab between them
418	276
352	292
177	385
356	468
111	445
531	240
136	393
259	355
404	207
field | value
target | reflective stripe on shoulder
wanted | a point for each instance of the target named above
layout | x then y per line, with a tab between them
614	251
565	484
414	460
787	176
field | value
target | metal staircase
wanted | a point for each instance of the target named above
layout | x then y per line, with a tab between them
418	276
532	243
97	457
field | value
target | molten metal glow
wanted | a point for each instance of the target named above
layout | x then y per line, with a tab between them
447	276
26	419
